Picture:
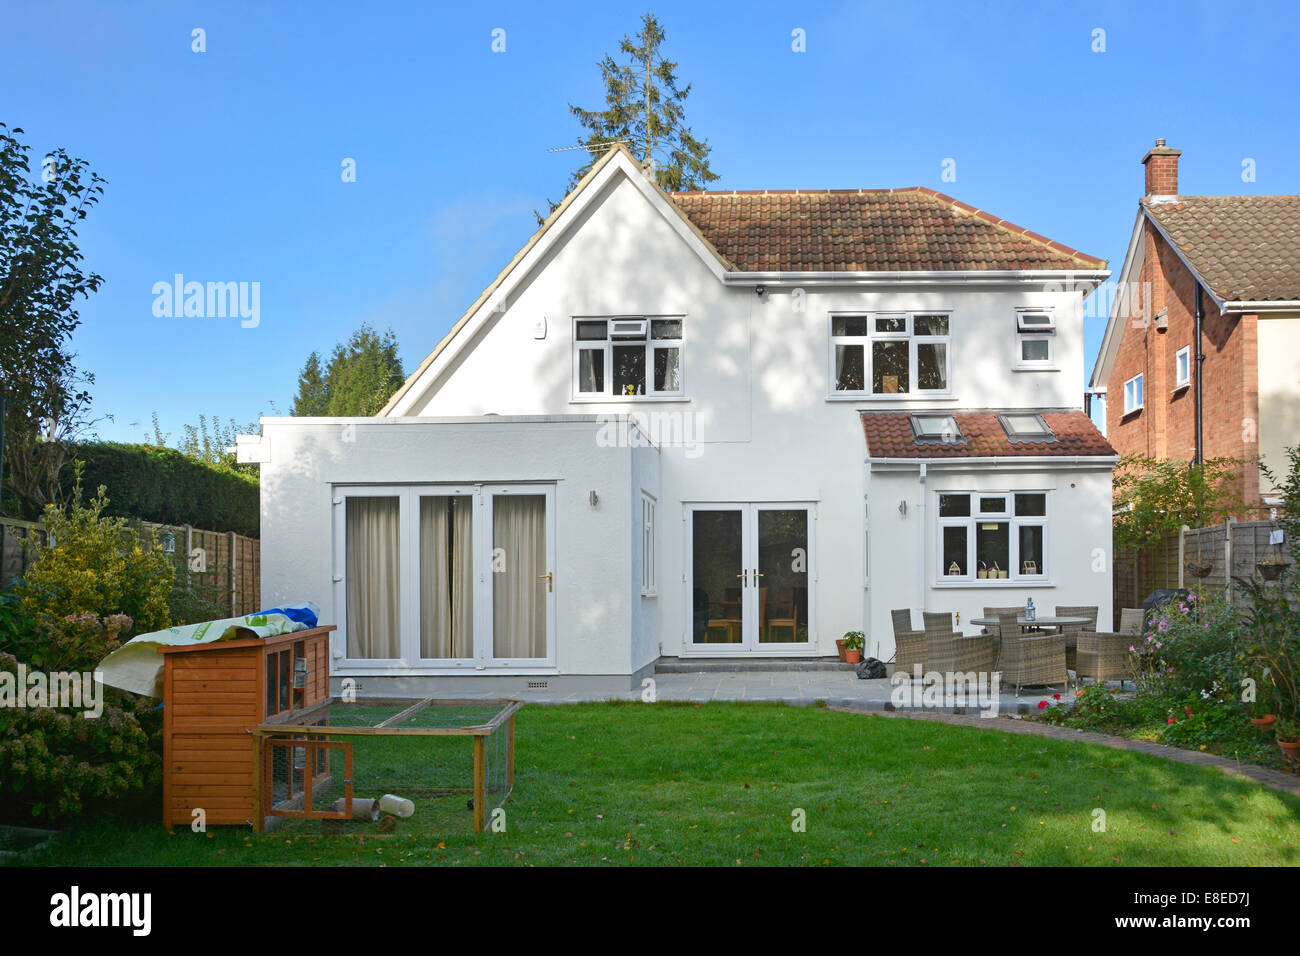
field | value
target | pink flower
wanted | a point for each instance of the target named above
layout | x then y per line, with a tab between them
1132	649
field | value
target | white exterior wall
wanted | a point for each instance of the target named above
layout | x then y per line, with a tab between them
1078	545
309	458
757	382
1279	393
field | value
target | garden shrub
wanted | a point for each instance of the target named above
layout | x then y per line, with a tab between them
99	565
56	764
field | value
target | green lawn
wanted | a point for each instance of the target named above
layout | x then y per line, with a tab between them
718	784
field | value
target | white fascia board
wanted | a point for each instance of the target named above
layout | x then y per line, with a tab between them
1133	259
1069	280
1006	463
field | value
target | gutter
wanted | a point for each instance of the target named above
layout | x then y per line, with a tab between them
1275	305
1004	461
1071	280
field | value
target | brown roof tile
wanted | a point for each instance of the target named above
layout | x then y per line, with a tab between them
889	435
1246	247
867	230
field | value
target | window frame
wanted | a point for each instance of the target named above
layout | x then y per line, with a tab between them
1139	392
606	348
872	336
1035	333
649	549
1183	355
975	517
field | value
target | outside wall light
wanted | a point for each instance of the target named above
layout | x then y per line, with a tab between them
592	498
902	507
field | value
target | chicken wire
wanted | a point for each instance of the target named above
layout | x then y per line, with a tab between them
422	751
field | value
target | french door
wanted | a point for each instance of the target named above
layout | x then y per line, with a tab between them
446	577
749	579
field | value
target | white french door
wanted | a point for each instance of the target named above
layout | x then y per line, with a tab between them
749	579
445	577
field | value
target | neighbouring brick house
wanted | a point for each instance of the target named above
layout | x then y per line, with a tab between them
1234	263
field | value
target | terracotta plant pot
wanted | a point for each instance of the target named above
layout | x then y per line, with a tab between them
1265	722
852	655
1290	750
840	647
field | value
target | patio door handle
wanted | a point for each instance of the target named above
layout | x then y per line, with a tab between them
745	576
550	580
758	574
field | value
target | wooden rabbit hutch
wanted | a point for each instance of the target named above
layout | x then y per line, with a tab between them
215	696
252	736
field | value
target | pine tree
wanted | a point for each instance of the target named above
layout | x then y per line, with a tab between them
644	110
312	398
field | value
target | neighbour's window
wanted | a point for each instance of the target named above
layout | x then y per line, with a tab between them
647	544
992	537
890	353
1183	367
1133	394
628	356
1035	334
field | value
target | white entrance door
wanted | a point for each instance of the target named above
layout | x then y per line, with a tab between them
749	579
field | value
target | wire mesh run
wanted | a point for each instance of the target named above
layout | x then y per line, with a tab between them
421	766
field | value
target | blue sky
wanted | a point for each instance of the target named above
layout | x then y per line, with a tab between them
226	165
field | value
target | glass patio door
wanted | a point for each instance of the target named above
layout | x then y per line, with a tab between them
519	590
749	579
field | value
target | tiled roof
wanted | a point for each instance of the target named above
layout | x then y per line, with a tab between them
1246	247
889	435
867	230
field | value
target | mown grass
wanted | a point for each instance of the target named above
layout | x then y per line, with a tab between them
721	784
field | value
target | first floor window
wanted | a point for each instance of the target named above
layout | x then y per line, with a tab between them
1133	394
890	354
628	357
994	537
1183	366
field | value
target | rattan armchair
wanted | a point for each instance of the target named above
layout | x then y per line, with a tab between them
1131	620
1027	659
949	652
1105	656
998	612
1071	632
909	645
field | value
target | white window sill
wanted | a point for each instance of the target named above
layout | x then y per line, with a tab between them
625	399
1027	367
1182	387
649	594
904	397
994	583
1132	411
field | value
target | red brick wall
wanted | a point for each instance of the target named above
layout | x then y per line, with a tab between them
1166	427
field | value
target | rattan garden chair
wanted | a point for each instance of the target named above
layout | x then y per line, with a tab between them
1028	659
1104	656
909	645
949	652
1131	620
1071	632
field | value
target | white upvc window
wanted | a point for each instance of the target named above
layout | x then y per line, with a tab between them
1183	367
1133	394
992	536
627	357
648	581
1035	338
884	354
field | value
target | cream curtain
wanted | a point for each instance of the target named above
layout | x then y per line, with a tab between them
374	617
446	577
518	590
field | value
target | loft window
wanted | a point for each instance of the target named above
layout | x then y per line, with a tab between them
935	428
1026	428
891	353
627	356
1035	338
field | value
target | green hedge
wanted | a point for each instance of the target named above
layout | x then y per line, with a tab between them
163	485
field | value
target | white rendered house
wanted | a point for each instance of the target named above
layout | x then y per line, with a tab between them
706	425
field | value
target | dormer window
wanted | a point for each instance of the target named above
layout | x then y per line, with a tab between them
1035	336
890	353
627	357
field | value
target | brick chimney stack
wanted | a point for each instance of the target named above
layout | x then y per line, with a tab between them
1162	170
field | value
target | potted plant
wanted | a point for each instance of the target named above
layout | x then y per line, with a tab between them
839	646
1263	716
854	641
1287	731
1271	568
